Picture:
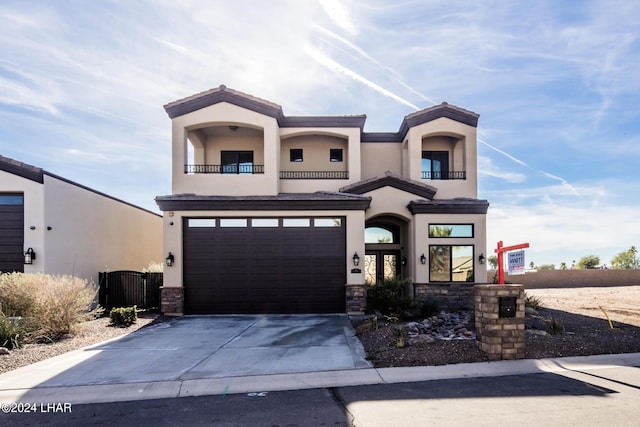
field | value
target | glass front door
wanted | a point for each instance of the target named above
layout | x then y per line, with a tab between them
380	265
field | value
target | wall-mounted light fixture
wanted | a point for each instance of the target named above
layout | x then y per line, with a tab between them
404	261
423	259
233	128
481	258
29	256
170	259
356	259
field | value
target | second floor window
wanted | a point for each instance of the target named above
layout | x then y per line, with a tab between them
435	165
237	161
335	154
295	155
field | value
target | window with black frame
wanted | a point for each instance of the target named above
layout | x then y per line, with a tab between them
449	263
239	162
435	165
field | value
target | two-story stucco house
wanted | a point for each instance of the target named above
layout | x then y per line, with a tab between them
280	214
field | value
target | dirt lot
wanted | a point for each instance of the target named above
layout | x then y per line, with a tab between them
622	303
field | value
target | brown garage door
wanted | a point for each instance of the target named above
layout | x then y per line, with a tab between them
11	232
264	265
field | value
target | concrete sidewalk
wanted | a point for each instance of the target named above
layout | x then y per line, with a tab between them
128	391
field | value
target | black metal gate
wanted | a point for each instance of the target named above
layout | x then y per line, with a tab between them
127	288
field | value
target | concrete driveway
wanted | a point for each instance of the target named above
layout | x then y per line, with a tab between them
201	347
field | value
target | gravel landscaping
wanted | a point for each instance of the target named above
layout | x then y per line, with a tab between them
91	332
586	330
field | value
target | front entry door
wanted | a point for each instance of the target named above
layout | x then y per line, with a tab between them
380	265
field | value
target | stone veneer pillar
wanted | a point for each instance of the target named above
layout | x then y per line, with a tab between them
172	301
500	336
356	299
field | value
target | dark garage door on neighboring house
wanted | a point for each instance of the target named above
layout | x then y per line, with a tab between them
264	265
11	232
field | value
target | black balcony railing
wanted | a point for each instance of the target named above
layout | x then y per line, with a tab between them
314	175
231	169
444	175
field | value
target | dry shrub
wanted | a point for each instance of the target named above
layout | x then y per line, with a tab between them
19	293
55	305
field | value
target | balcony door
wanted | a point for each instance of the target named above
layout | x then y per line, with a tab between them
237	161
435	164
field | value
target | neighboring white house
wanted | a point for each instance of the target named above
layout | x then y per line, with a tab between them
71	229
277	214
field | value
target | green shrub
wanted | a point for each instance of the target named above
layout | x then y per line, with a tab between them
123	316
12	332
53	305
389	297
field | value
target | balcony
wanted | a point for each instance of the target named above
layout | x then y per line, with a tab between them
438	175
246	169
314	175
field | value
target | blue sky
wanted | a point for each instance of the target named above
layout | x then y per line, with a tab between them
556	84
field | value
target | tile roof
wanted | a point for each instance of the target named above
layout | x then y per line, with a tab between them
224	94
459	205
21	169
282	201
391	179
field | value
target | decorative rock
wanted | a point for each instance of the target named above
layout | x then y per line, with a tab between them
421	339
536	332
4	351
530	311
445	326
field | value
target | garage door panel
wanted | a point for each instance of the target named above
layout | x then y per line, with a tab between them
264	269
11	232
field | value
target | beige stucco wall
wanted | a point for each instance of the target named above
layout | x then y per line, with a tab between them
467	147
380	157
92	233
346	138
173	221
33	215
315	153
225	114
224	139
422	242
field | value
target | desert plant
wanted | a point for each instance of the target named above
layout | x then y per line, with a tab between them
399	334
154	267
54	305
64	303
123	316
532	301
555	327
388	296
19	293
12	332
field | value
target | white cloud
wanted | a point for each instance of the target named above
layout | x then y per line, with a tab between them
340	15
486	167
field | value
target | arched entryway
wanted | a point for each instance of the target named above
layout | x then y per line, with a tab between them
384	257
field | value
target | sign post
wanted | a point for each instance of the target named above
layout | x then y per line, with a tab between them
500	251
